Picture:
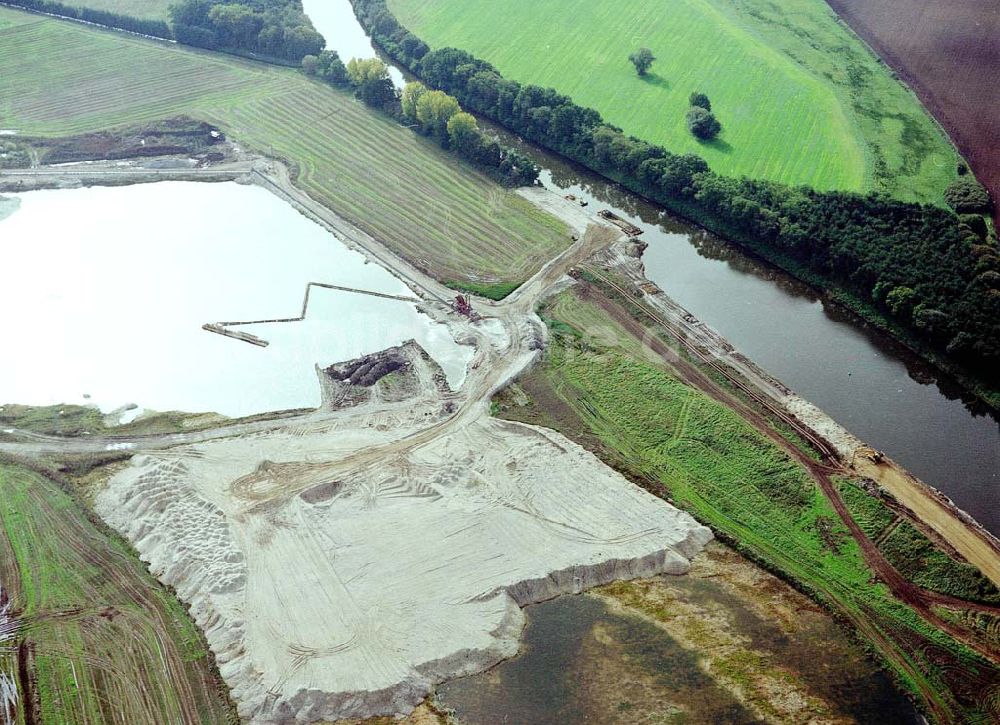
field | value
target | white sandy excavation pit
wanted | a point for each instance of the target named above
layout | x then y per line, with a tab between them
343	568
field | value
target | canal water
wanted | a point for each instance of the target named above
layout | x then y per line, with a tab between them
106	290
336	21
873	386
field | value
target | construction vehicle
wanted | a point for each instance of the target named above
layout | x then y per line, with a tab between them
876	456
463	306
626	226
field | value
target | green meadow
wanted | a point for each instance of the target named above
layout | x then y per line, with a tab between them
800	98
59	78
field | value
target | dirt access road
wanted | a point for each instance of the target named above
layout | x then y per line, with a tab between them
488	371
949	53
927	505
487	375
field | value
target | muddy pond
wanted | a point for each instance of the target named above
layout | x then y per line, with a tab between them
724	644
106	290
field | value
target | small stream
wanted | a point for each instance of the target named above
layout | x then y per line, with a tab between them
862	378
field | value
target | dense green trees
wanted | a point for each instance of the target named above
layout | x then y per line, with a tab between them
327	66
703	124
275	28
920	265
434	111
967	196
642	59
371	82
437	114
463	133
700	100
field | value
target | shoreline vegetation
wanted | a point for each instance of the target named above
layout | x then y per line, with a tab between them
925	275
459	223
613	384
942	301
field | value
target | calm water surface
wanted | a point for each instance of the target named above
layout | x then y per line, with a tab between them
107	289
582	663
864	380
336	21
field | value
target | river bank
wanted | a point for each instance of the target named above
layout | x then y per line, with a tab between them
945	435
944	515
435	298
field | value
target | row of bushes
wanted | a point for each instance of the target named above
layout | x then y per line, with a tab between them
432	113
922	266
276	29
438	115
273	28
155	28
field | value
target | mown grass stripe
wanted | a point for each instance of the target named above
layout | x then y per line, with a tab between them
59	78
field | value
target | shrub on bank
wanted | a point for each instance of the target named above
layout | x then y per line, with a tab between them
967	196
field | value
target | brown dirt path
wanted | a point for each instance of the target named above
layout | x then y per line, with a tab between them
821	471
976	548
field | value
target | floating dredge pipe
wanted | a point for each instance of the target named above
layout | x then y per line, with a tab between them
221	328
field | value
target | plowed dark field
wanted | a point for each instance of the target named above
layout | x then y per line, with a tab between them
949	53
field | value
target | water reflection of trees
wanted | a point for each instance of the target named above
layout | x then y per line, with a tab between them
568	175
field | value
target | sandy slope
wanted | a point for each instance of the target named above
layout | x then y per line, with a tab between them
341	570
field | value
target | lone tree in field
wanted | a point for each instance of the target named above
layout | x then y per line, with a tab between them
700	100
702	123
642	59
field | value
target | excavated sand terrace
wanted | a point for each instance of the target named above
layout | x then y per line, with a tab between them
344	567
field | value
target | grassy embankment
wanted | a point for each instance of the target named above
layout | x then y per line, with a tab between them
800	98
77	420
145	9
100	639
61	78
602	388
912	554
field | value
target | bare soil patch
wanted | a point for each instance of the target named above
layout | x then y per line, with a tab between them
949	53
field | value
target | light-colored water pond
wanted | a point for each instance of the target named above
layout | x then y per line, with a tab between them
105	290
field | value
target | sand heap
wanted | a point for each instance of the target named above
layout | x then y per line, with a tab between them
343	569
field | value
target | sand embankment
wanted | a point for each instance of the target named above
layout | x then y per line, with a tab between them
344	568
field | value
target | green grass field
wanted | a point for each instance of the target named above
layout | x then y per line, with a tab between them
602	388
59	78
102	640
914	555
800	98
151	9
